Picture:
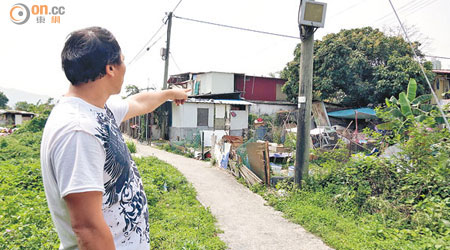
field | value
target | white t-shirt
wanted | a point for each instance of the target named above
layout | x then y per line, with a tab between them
83	150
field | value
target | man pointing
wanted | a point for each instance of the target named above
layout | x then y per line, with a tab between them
93	188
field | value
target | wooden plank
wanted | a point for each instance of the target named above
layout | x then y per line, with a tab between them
249	176
320	114
267	161
256	159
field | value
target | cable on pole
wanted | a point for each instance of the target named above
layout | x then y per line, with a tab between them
176	6
421	67
146	44
173	59
234	27
440	57
149	47
137	56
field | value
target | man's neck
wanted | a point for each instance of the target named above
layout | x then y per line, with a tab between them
91	92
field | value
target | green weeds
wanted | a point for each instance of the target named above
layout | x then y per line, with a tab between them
177	220
372	202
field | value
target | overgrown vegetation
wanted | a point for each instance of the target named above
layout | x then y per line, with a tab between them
177	220
131	146
400	201
185	150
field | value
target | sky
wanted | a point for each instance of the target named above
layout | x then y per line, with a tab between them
30	52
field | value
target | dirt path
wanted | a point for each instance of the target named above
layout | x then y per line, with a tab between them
248	223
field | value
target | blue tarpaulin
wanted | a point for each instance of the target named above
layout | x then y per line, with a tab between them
361	113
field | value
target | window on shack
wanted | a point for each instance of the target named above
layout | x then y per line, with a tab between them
202	117
237	107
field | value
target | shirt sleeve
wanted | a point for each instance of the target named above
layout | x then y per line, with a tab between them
119	107
78	161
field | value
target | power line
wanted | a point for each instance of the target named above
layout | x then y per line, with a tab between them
146	44
238	28
407	10
149	47
401	8
440	57
421	67
426	4
346	9
173	59
149	41
177	6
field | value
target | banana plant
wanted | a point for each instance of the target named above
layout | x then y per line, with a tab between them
408	108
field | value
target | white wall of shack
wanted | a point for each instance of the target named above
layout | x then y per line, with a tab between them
215	83
240	121
185	116
269	109
220	110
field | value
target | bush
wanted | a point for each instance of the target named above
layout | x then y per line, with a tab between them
131	146
371	202
177	220
20	146
25	221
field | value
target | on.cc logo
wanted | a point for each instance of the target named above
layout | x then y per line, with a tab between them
19	13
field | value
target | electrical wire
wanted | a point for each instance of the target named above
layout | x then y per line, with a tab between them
440	57
173	59
406	10
173	10
141	51
149	47
145	46
234	27
347	9
421	67
388	16
421	7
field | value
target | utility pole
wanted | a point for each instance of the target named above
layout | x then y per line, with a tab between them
165	108
304	108
167	50
312	16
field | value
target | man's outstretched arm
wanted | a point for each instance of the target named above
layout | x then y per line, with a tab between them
146	102
87	221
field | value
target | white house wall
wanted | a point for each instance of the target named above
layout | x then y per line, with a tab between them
185	116
269	109
240	121
216	83
220	110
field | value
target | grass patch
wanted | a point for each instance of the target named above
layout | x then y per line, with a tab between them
317	212
177	220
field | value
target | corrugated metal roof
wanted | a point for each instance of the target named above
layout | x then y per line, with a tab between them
4	111
219	101
441	71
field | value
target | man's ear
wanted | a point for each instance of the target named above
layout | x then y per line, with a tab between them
110	70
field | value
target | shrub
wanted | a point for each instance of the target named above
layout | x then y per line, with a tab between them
25	221
131	146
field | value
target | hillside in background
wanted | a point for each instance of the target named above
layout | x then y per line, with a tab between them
15	96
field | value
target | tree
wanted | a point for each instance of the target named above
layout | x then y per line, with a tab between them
38	108
131	89
3	100
357	67
24	106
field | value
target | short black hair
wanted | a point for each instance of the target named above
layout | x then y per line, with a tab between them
87	52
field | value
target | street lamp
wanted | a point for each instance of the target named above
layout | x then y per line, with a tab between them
312	13
311	17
